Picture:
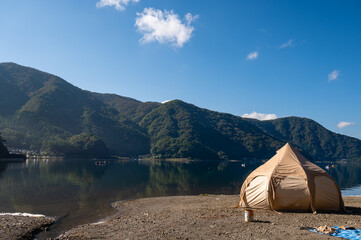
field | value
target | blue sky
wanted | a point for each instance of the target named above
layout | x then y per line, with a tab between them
285	58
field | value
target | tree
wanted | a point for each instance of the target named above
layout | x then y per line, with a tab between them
3	150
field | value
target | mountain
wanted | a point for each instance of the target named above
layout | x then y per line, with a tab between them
46	112
314	139
43	112
178	129
133	109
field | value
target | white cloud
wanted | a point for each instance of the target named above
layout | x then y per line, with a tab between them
164	27
252	55
166	101
287	44
118	4
333	75
341	125
260	116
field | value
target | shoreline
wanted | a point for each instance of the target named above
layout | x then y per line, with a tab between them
23	225
192	217
208	217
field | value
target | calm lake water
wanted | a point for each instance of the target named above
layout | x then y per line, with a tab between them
81	191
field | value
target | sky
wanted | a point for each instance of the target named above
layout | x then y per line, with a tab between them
259	59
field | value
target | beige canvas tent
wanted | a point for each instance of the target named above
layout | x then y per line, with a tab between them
288	181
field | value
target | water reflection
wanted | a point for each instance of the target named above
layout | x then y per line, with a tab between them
82	190
346	175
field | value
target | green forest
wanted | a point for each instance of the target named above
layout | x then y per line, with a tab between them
3	150
42	112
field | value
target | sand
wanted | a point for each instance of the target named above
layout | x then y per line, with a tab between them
209	217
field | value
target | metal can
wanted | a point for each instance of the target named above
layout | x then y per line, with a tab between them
248	215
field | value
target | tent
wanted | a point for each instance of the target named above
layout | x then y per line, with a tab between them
288	181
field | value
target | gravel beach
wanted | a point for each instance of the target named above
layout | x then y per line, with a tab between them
20	227
209	217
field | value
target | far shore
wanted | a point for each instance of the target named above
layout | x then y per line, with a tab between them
23	157
13	158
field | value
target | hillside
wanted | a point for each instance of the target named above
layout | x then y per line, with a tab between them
314	139
178	129
133	109
43	112
49	112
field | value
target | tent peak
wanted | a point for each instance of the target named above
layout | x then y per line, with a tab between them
286	146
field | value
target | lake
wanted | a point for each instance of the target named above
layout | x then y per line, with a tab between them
81	191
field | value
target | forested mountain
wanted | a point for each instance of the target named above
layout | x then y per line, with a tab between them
48	113
43	112
129	107
313	138
178	129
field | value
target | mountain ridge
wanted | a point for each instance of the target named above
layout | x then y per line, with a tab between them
44	112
